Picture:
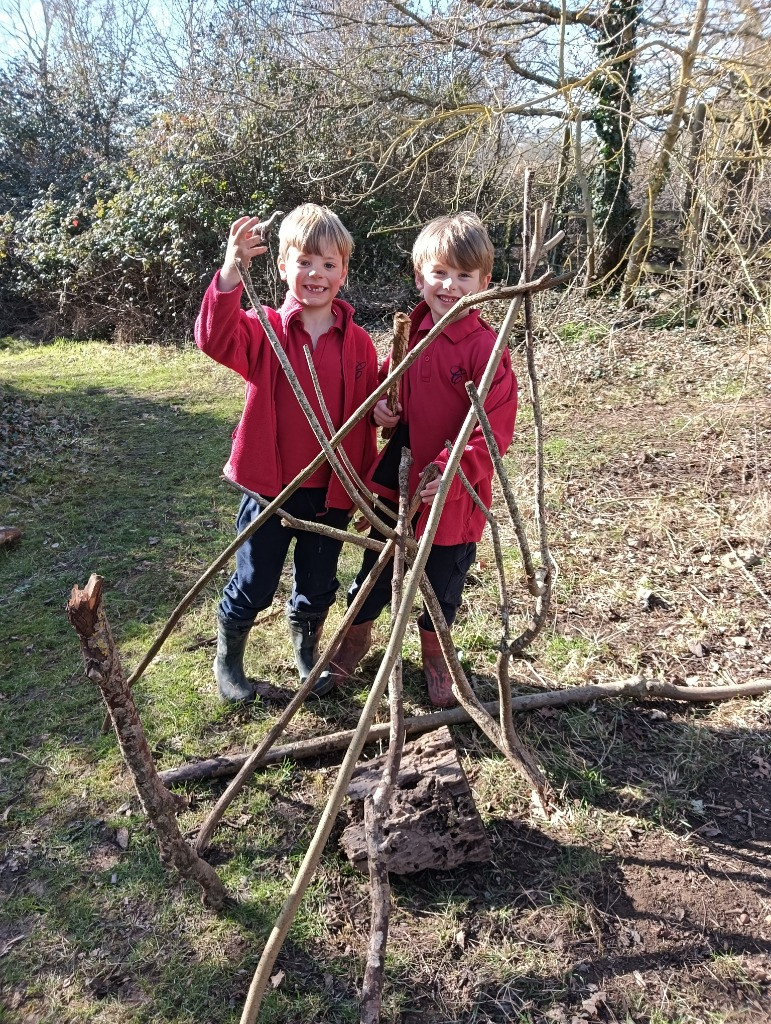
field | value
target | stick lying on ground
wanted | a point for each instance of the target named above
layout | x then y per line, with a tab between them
638	688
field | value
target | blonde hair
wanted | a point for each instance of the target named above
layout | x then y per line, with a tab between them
311	228
459	239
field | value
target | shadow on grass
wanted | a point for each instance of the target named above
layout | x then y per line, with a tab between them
105	481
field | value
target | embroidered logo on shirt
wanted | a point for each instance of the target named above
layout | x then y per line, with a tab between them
457	374
360	369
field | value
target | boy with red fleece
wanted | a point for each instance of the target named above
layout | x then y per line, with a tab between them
452	257
273	442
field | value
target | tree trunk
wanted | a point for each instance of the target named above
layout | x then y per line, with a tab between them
614	86
643	233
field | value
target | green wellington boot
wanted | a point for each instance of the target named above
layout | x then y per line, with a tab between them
305	630
229	661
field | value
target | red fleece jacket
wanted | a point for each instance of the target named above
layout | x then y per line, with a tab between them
234	337
434	405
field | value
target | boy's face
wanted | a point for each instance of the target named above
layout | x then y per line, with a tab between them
313	279
442	285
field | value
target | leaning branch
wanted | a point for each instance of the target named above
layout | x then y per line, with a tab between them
85	611
250	765
376	807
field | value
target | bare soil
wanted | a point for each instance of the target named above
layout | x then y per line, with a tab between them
646	899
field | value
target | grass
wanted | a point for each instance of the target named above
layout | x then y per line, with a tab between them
113	465
574	332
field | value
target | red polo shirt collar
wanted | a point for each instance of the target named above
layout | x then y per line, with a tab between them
458	330
292	307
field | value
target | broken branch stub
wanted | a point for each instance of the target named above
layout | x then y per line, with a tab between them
402	324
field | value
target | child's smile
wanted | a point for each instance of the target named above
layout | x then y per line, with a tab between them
313	278
442	285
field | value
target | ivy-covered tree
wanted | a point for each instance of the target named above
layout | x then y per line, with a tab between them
613	86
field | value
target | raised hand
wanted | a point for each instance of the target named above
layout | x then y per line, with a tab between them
245	241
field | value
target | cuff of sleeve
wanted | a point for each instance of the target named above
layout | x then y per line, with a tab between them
221	293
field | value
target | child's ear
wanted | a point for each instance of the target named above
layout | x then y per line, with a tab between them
344	278
282	267
419	282
485	282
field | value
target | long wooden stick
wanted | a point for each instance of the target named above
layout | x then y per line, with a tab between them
357	497
250	765
376	806
321	746
359	483
548	565
253	761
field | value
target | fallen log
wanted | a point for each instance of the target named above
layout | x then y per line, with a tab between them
432	820
227	765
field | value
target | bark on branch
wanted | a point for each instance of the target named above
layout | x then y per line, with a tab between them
636	687
376	807
85	612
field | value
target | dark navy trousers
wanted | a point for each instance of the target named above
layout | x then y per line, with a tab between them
260	560
446	569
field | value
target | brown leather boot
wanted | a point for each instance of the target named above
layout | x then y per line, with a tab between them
353	647
438	678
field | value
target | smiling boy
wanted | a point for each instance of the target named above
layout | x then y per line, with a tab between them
274	442
452	257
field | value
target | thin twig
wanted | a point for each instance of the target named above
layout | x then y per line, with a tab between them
310	526
495	534
506	490
357	498
506	741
